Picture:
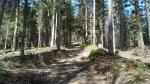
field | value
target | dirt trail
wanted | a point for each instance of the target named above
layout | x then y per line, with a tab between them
74	67
77	55
73	70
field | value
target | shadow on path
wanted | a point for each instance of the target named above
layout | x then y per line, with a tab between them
61	73
53	71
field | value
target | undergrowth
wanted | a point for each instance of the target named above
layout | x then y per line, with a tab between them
89	47
115	64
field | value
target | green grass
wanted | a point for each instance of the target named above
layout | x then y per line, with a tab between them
91	47
12	61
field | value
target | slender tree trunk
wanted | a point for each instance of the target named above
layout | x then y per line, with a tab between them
101	39
91	31
6	37
86	20
94	30
40	25
46	28
65	32
7	26
101	45
39	37
139	34
16	26
69	37
55	30
58	24
52	31
111	43
148	16
85	15
120	29
2	11
24	29
103	25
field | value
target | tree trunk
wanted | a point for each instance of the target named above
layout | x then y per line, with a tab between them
111	43
2	11
93	28
101	44
148	16
86	19
56	18
16	26
101	35
120	29
40	25
58	24
103	25
7	26
6	37
52	31
24	29
85	15
139	33
39	37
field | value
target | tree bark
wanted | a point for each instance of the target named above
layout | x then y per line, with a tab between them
6	37
121	41
139	33
105	43
40	26
24	29
111	43
2	11
55	30
85	15
16	26
93	26
58	24
52	31
7	26
86	20
148	16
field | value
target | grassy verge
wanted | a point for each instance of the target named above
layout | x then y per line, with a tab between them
104	63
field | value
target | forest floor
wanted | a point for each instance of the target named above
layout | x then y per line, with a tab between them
142	54
76	65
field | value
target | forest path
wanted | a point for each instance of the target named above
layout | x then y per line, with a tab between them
75	69
73	66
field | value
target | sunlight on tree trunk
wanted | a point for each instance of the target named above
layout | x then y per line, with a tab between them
16	25
93	28
111	44
139	33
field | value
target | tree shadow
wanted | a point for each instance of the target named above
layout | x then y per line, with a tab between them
44	61
65	73
49	70
40	59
